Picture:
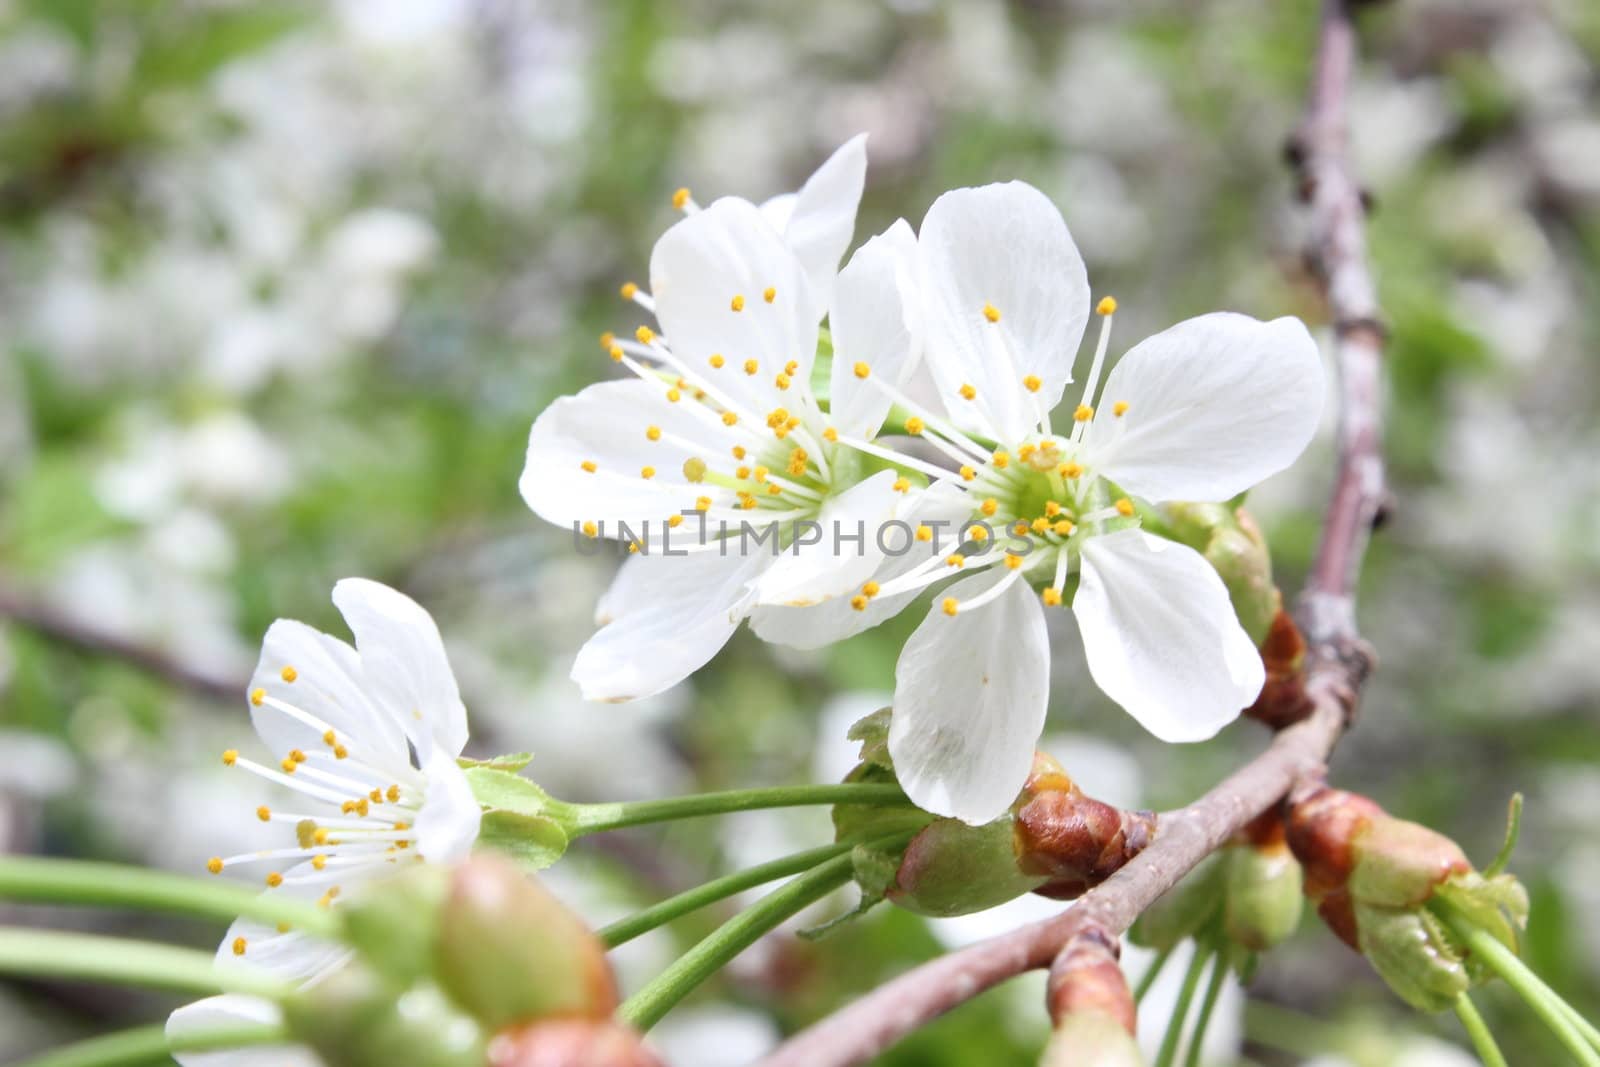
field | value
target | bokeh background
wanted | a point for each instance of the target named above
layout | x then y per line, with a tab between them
282	287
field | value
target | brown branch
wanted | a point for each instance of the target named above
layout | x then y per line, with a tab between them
50	621
1338	660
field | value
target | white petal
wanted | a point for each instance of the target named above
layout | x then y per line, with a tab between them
779	209
447	823
404	663
834	620
697	270
607	425
876	319
1004	246
1161	636
837	563
823	217
677	612
227	1011
329	685
969	701
292	956
1215	405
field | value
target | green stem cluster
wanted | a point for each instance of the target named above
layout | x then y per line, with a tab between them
151	1045
1211	950
583	819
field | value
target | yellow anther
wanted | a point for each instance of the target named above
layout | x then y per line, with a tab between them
362	807
955	559
830	435
1107	306
1120	408
716	360
1124	507
968	473
375	795
749	503
738	452
257	696
628	290
288	674
1013	561
1070	469
1040	525
393	793
858	602
969	392
870	589
989	506
616	353
402	826
274	880
1063	528
1051	508
729	418
1001	459
770	294
653	432
914	426
1084	413
737	303
288	765
862	370
320	836
791	422
1024	451
924	533
798	461
329	737
680	198
645	335
588	465
1032	383
702	503
781	381
901	485
1050	597
773	490
673	396
340	752
1021	528
674	521
230	757
978	533
607	339
791	367
760	473
239	945
647	473
751	366
214	864
951	605
264	813
318	862
991	313
590	530
694	470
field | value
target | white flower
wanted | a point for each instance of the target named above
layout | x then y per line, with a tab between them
996	309
368	737
719	428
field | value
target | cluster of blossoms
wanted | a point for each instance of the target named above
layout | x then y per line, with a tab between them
950	348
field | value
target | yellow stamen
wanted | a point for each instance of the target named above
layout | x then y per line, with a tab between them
319	862
770	294
1124	507
607	339
673	396
978	533
214	864
955	559
991	313
590	530
1001	459
862	370
264	813
914	426
653	432
702	503
969	392
737	303
716	360
645	335
738	452
230	757
1050	597
647	473
680	198
1107	306
1051	508
951	605
1013	561
1120	408
628	290
781	381
588	465
967	474
1063	528
239	945
901	485
858	602
870	589
1084	413
288	674
257	696
616	353
924	533
274	880
1032	383
830	435
674	521
1070	470
751	366
1040	525
989	506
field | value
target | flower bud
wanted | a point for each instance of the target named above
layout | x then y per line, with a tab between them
1181	910
353	1018
1090	1041
1262	898
394	923
1232	543
1091	1006
1283	700
570	1043
510	952
1076	841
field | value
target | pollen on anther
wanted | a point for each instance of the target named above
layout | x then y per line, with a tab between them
1120	408
1021	528
645	335
288	765
1040	525
230	757
1063	528
978	533
1013	561
607	339
969	392
901	485
673	396
1024	451
214	864
770	294
739	452
274	880
653	433
288	674
340	752
859	602
393	793
914	426
870	589
781	381
616	353
951	605
968	473
1107	306
991	313
590	529
674	521
1000	460
716	360
680	198
647	473
791	367
1051	508
1032	383
1124	507
1051	597
239	945
830	435
257	696
1070	470
319	862
628	290
589	466
989	506
702	503
737	303
751	366
862	369
264	813
955	559
1084	413
924	533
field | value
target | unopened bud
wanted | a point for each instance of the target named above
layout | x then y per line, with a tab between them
394	923
1232	543
1090	1006
1262	885
353	1018
570	1043
1077	842
1091	1041
1181	910
1283	700
510	952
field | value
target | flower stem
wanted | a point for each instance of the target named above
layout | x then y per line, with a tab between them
1478	1031
1153	972
1208	1004
625	930
1544	1001
1180	1011
646	1007
117	885
55	954
149	1045
594	818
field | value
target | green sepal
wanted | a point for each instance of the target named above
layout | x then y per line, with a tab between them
1411	950
1497	905
394	923
533	841
353	1018
510	761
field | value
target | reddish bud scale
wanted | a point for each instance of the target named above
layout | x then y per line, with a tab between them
570	1043
1283	700
1075	841
1086	978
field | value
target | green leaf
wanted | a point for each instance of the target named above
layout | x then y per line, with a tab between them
511	761
496	788
533	841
